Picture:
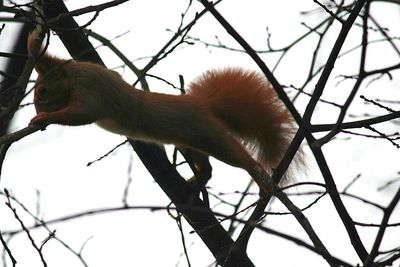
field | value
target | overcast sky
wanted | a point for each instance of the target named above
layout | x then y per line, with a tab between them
54	161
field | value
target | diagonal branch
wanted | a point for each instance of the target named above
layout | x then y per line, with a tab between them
303	221
387	212
333	192
362	75
320	86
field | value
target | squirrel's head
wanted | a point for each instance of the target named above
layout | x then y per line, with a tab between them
53	86
52	90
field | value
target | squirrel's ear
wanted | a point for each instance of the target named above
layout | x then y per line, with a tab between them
31	40
47	63
44	62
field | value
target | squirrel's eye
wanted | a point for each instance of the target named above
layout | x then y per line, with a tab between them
42	91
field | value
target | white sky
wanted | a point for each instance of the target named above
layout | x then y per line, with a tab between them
49	161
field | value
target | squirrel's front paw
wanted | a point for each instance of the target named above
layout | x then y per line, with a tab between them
40	119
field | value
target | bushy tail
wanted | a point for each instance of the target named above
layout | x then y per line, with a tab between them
248	105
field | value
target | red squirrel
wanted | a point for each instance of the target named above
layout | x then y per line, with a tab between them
231	114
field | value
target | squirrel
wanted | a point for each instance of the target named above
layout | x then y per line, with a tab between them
231	114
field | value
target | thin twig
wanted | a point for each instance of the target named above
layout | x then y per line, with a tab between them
25	229
7	249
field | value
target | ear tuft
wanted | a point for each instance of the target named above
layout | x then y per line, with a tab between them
32	39
44	61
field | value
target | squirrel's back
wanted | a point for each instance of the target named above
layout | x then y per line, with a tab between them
247	104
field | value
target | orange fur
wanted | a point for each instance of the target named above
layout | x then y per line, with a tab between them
230	114
248	105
